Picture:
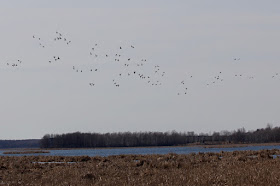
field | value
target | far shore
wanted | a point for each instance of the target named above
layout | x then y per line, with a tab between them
230	145
21	151
234	145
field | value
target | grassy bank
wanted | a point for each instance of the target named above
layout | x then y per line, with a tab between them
226	168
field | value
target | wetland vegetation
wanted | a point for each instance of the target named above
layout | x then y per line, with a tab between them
224	168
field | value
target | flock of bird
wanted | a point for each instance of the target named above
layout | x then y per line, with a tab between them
132	67
14	63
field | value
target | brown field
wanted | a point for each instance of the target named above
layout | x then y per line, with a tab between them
225	168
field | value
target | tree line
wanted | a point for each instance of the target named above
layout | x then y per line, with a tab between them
142	139
30	143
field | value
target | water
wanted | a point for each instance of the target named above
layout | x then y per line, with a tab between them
142	151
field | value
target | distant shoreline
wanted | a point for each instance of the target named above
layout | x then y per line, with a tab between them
237	145
20	151
188	145
232	145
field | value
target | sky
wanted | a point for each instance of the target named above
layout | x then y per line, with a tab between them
212	66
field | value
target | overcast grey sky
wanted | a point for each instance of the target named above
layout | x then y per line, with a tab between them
185	38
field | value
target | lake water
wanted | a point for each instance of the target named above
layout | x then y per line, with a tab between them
143	151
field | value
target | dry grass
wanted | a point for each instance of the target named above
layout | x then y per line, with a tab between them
225	168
